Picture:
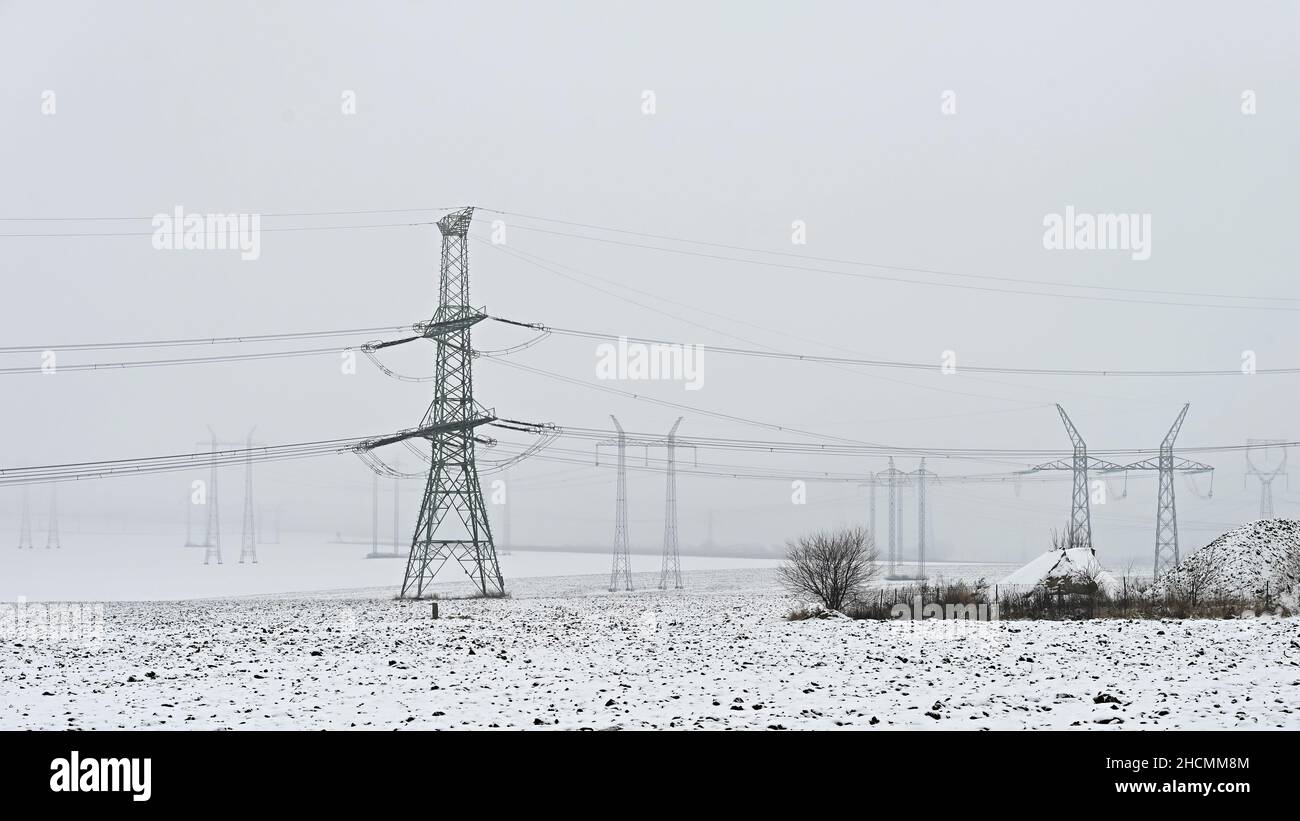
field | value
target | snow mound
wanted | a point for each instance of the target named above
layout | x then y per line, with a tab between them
1075	566
1242	562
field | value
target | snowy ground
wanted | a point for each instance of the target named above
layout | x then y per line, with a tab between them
562	653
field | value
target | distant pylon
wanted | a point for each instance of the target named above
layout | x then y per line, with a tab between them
25	529
248	546
1080	511
921	519
672	561
52	531
894	479
1166	556
1080	530
893	520
622	565
212	538
1265	475
902	520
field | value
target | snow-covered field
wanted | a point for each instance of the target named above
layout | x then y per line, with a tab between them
564	654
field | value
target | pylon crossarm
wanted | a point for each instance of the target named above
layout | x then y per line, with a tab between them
1095	465
426	432
435	329
1180	465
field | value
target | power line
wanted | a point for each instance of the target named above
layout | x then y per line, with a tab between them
888	363
858	449
883	266
193	341
537	262
147	465
259	213
161	363
262	230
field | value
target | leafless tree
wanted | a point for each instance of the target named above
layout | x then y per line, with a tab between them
830	566
1066	540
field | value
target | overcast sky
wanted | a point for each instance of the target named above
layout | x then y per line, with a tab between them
765	114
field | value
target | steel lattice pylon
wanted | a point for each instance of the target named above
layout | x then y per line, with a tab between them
921	475
453	484
1166	553
1080	535
1080	530
672	563
1265	475
622	565
1166	557
894	479
1080	510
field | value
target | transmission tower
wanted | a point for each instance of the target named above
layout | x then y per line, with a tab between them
894	479
672	562
1265	475
671	557
921	475
25	529
212	539
622	566
453	484
248	545
1080	509
902	519
1080	534
1166	556
52	532
1166	552
1166	513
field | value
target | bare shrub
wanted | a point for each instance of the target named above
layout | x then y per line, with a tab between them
830	566
1200	577
1066	540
